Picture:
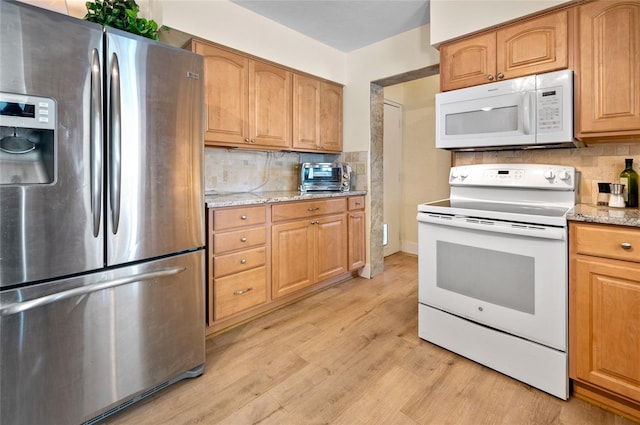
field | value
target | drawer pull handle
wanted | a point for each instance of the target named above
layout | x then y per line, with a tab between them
625	245
243	239
357	203
243	261
313	209
315	222
242	291
243	217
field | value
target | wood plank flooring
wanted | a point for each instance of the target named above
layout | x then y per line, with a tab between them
350	355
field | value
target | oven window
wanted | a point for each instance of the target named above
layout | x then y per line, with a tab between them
496	277
322	174
496	120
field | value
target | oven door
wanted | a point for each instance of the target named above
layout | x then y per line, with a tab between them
508	276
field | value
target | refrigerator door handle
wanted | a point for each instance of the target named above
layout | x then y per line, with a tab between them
96	141
21	307
115	130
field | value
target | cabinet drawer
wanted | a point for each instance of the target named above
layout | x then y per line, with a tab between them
238	292
356	202
235	217
238	261
617	242
239	239
302	209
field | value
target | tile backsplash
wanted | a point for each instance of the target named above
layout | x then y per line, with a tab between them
597	163
236	170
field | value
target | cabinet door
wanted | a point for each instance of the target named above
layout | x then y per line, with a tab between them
306	112
356	239
607	325
609	68
468	62
226	95
533	47
330	117
269	105
292	256
331	246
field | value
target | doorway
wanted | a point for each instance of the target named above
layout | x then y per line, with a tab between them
376	159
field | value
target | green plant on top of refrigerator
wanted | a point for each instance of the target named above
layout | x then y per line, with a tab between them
121	14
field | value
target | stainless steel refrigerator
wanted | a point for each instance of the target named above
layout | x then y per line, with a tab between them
101	217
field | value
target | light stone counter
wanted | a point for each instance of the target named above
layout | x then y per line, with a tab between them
216	200
605	215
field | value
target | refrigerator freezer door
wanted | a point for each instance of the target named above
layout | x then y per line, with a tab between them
52	229
85	345
155	192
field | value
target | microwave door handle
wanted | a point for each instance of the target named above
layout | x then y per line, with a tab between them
527	110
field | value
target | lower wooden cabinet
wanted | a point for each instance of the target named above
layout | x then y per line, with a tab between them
262	257
308	250
604	316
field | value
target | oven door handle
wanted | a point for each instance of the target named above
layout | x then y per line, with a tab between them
484	225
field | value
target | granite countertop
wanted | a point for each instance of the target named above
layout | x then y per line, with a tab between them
605	215
215	200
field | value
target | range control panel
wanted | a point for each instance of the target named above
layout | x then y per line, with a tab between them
535	176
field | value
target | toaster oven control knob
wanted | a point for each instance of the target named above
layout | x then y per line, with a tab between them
345	184
345	176
549	175
564	176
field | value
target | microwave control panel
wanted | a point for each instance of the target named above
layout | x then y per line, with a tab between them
550	109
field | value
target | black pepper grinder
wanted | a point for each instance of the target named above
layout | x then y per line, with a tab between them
603	194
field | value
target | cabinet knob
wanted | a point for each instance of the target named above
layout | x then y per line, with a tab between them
313	209
243	217
490	77
253	140
246	140
243	239
243	261
315	222
500	75
626	245
242	291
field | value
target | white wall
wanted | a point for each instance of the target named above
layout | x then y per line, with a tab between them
425	169
396	55
226	23
455	18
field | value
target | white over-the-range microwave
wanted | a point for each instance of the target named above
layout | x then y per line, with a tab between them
525	112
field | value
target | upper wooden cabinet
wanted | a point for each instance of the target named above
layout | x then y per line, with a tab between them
529	47
254	104
248	102
609	70
317	115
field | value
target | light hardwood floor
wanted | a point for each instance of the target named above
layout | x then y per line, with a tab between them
351	355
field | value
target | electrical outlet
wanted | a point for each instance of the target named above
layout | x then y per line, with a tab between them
360	169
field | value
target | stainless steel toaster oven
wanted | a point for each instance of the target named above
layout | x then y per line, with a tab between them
325	176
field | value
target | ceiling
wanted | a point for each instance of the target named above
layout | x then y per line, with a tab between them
345	25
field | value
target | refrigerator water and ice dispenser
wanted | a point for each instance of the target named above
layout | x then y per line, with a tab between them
27	139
